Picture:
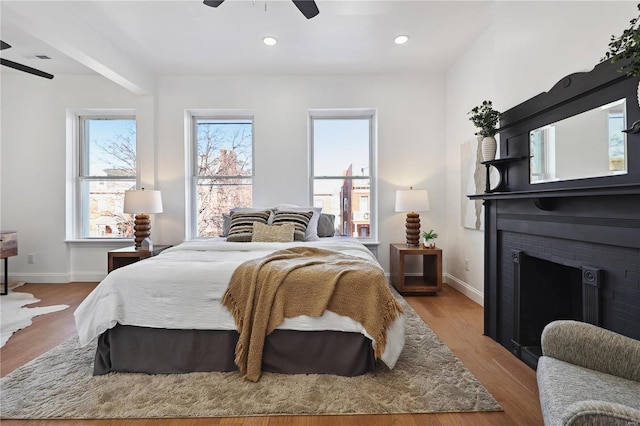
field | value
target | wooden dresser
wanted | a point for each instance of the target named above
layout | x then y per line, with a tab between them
8	248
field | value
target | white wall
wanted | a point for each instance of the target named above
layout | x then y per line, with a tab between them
410	135
528	48
33	171
410	149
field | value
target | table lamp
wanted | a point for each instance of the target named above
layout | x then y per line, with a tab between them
412	201
142	203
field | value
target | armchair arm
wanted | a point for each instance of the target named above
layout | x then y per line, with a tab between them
592	347
588	413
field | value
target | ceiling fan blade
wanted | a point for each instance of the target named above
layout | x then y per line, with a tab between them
213	3
24	68
307	7
4	45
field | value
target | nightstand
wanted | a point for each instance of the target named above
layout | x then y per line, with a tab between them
431	280
8	248
128	255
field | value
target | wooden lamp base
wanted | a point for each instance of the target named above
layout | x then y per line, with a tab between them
413	229
142	228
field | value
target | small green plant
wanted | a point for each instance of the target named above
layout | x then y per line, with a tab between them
429	235
626	46
485	118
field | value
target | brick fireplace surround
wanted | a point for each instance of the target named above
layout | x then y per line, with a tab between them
600	249
568	249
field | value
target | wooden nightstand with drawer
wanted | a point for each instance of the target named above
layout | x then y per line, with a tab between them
128	255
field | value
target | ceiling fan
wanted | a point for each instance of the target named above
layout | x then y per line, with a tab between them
20	67
307	7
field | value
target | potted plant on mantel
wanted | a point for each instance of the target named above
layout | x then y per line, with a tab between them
426	236
485	118
626	46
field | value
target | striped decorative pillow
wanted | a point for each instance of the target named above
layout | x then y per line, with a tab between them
241	229
299	219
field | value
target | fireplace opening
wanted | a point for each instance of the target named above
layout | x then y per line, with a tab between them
545	291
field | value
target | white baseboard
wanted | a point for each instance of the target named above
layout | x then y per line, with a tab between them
57	278
88	277
464	288
60	278
454	282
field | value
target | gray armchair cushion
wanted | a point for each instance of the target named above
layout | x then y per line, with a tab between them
574	395
588	376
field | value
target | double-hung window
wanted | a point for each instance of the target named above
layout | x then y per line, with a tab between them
106	155
343	169
617	137
222	170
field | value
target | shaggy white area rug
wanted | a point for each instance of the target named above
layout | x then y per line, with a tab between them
14	315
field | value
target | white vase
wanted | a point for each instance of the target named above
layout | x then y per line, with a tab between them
489	147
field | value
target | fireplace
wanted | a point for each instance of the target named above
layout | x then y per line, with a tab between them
540	266
567	247
545	291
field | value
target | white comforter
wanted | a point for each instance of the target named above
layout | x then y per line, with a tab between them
182	287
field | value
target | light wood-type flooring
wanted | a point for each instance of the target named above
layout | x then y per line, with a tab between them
457	320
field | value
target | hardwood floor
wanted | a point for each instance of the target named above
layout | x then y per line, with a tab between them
457	320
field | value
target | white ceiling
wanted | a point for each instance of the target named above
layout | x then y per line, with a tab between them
187	37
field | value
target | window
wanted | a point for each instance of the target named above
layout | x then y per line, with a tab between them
542	148
616	124
104	152
343	171
222	170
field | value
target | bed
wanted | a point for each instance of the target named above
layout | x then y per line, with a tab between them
165	315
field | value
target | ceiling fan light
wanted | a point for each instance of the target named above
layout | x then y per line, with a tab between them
401	39
269	41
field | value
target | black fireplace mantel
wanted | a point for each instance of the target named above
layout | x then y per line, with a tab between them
585	191
585	224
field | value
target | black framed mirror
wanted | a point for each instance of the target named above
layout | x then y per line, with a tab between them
579	134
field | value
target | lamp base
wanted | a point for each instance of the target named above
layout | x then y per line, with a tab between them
413	229
142	228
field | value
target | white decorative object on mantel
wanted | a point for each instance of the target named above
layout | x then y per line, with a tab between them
489	148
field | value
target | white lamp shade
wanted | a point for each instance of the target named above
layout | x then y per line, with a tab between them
142	201
412	200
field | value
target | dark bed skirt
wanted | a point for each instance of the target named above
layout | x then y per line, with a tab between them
167	351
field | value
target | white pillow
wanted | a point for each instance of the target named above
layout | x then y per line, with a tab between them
312	229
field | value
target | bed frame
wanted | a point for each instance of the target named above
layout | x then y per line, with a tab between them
165	351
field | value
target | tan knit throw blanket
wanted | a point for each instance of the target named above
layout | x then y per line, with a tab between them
305	281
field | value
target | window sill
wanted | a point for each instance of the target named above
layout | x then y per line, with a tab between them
100	241
370	242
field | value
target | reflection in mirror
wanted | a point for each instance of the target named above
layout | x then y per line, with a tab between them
590	144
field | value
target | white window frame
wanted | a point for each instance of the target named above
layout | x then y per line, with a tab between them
74	167
190	118
346	114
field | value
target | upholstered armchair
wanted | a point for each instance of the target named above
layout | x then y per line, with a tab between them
588	376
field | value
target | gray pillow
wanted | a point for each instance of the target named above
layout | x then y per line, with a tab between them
226	224
326	225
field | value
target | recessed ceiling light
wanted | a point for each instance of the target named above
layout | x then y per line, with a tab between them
269	41
401	39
